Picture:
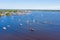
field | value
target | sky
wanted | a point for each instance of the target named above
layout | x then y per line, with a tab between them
30	4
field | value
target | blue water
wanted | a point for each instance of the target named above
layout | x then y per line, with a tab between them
46	26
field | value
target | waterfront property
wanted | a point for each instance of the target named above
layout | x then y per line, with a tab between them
15	12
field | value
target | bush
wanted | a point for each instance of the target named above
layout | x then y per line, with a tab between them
7	14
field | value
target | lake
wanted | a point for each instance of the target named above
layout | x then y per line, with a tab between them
36	25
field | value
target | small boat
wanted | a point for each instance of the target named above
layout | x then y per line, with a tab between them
31	29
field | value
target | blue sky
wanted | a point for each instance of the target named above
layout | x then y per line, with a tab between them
29	4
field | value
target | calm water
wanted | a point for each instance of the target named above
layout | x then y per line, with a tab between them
46	26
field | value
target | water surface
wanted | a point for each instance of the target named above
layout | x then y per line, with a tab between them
46	26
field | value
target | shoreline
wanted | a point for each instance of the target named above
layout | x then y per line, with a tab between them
8	12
